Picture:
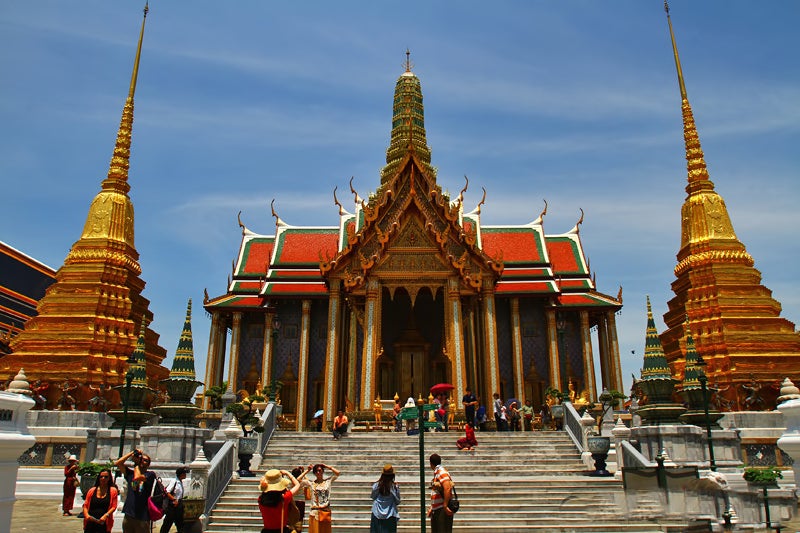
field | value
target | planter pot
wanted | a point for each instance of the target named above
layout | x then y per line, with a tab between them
87	482
193	508
598	444
248	445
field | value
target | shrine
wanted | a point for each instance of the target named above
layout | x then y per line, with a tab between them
409	289
719	299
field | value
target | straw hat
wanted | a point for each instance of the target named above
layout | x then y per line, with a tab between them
387	469
72	458
275	481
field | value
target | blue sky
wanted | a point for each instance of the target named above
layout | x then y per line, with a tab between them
575	102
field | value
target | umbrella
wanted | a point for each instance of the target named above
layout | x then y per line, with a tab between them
512	400
318	413
441	387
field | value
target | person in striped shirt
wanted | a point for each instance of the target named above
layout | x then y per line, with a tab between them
441	490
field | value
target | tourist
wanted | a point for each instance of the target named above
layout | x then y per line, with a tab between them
305	486
398	422
470	402
70	484
527	416
480	415
503	418
441	490
468	441
173	514
513	417
276	502
497	405
140	486
385	499
339	425
319	519
100	504
411	423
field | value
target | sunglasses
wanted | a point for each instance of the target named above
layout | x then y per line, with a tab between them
105	477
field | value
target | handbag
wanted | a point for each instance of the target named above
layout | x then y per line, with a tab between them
453	503
155	501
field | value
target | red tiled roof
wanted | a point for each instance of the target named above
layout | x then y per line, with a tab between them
526	287
574	284
513	273
256	256
514	245
295	289
575	300
303	246
237	301
564	255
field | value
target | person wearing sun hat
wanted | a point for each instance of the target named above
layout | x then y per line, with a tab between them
70	483
385	499
277	499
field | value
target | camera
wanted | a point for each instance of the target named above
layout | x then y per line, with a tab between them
137	454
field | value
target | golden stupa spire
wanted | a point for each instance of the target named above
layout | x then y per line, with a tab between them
704	216
110	216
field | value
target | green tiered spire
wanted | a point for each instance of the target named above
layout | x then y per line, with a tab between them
691	372
408	125
183	364
655	362
138	367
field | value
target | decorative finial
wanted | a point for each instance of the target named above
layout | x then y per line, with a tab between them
408	64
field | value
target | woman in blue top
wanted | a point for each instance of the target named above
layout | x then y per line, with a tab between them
385	499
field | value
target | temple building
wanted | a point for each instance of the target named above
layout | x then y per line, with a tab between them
733	318
88	320
23	281
408	289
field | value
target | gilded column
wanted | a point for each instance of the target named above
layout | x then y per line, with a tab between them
371	321
212	357
615	371
602	344
552	349
331	350
516	349
352	357
302	365
457	338
266	359
490	336
588	356
233	362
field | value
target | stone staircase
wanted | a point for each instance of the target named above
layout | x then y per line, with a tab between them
512	482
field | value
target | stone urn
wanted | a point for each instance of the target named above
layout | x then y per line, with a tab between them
247	447
598	446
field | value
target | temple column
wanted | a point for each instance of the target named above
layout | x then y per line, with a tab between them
492	375
302	365
352	357
552	349
212	357
602	344
588	356
233	362
516	351
372	314
615	371
331	351
266	358
456	349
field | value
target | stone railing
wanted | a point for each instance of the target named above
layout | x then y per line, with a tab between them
573	426
269	420
220	473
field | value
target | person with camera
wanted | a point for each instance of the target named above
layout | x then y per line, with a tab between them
173	512
441	491
140	482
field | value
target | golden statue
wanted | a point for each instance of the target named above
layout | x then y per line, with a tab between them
377	408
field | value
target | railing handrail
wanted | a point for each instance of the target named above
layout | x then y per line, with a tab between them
269	422
572	425
220	473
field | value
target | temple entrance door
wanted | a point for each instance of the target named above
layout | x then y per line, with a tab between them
412	337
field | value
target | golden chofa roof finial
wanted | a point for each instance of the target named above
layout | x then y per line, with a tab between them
408	64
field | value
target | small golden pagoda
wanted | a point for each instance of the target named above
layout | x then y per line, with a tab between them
88	320
719	298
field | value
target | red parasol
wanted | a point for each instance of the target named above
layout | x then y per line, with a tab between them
441	387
